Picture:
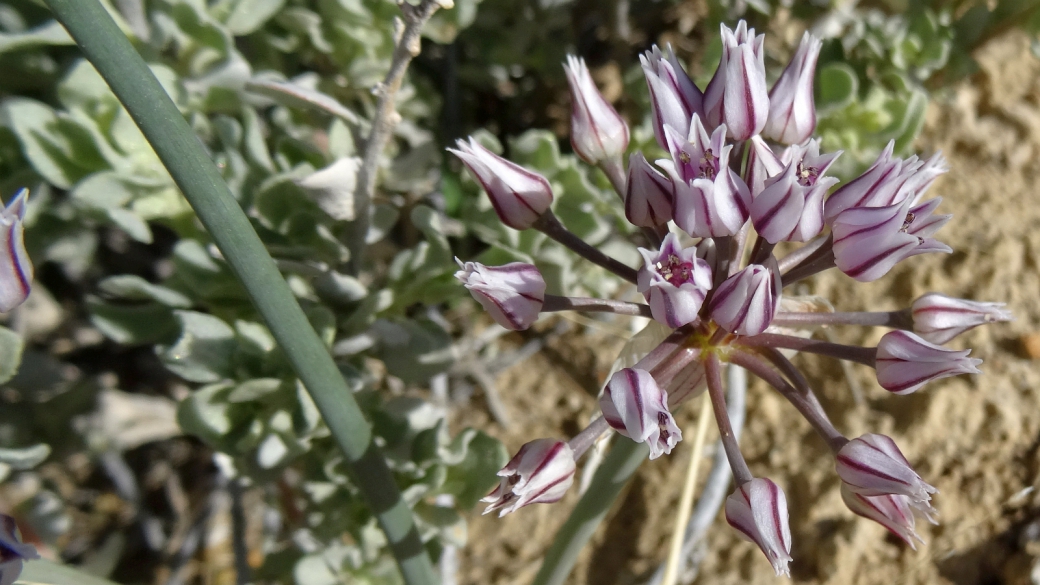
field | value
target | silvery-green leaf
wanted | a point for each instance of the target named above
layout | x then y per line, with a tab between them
471	477
25	458
48	150
11	346
50	33
132	324
206	413
247	16
298	96
205	349
103	190
132	287
256	389
332	188
131	223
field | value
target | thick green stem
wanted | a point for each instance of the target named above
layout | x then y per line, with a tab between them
617	468
179	149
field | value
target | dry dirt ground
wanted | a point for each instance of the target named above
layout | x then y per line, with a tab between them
976	438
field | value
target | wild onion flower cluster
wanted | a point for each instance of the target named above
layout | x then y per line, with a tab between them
742	175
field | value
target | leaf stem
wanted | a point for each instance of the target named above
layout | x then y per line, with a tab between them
555	303
549	225
180	151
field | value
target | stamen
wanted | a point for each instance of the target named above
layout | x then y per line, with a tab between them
807	175
910	217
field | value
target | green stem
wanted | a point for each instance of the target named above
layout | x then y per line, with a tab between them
618	467
179	149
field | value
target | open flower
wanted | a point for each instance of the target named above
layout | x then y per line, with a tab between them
939	318
905	362
674	98
792	111
518	195
790	206
710	199
540	473
872	465
16	270
736	95
13	552
758	510
636	407
513	294
598	133
887	182
869	241
746	302
674	282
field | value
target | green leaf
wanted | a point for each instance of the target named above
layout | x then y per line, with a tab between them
248	16
103	190
257	389
131	223
413	350
205	349
11	346
43	572
836	86
49	33
131	287
132	324
51	153
206	413
474	476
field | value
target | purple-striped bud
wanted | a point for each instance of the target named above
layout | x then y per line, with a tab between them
13	552
746	302
16	270
892	512
758	510
905	362
674	98
762	164
939	318
736	96
540	473
872	465
869	241
649	195
598	133
513	294
518	195
710	199
636	407
674	282
887	182
790	207
792	111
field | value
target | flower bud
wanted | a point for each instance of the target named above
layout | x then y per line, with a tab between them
540	473
892	512
905	362
792	111
790	207
746	302
518	195
674	282
13	552
636	407
736	96
758	510
598	133
649	196
513	293
710	199
869	241
939	318
674	98
16	270
887	182
872	465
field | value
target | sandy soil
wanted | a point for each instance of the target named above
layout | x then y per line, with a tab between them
975	438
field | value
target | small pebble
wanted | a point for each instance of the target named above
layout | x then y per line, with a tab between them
1031	345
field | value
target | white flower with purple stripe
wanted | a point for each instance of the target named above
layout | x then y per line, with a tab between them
513	294
16	270
790	206
939	318
872	465
905	362
758	510
540	473
636	407
674	282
